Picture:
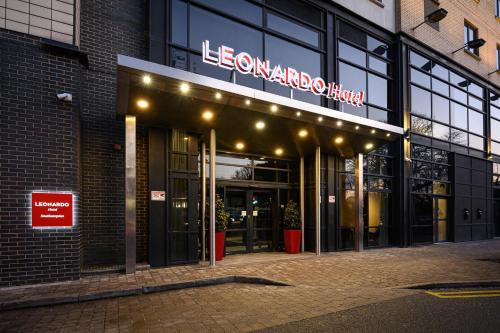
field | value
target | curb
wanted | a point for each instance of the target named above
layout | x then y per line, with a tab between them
144	290
454	285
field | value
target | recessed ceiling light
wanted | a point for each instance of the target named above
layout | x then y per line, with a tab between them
260	125
298	113
247	102
373	131
274	108
369	146
207	115
339	139
356	128
240	145
186	138
142	104
302	133
278	151
388	135
146	79
218	95
339	122
184	87
320	119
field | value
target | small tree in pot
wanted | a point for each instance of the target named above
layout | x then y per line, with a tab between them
291	224
220	227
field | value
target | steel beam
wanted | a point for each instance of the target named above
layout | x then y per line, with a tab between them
302	201
317	190
358	205
203	199
212	197
130	194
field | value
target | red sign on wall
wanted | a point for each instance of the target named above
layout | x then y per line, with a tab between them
51	209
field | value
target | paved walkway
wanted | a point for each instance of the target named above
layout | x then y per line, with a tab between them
319	285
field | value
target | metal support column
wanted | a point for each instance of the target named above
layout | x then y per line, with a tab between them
317	191
302	205
130	194
212	197
203	199
358	205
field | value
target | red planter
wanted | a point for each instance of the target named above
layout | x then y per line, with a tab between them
220	238
292	241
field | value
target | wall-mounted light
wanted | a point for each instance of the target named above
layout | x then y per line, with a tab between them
433	17
473	44
406	134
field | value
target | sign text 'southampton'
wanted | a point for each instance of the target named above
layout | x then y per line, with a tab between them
243	62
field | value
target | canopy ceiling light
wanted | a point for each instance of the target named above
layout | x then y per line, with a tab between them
473	44
434	17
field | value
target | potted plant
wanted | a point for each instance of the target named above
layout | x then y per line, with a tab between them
220	227
291	225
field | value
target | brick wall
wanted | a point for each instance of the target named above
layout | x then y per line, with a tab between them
39	144
450	36
142	212
108	28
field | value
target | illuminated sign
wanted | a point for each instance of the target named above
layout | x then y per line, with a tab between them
51	209
244	63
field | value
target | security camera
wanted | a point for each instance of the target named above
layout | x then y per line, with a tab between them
66	97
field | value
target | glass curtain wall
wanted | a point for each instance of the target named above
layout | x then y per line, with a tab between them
495	122
496	198
445	105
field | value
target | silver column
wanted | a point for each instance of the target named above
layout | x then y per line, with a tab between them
317	191
130	194
302	206
212	197
203	198
358	205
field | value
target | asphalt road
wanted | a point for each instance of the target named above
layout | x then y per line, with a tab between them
416	313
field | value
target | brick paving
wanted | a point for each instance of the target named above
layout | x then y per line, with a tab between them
319	285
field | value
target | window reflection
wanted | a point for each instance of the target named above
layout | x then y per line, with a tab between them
252	12
292	29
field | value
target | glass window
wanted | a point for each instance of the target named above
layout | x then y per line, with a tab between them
378	47
179	202
440	87
458	95
265	175
352	34
458	80
233	172
299	9
179	23
420	101
292	29
475	103
495	112
422	170
377	91
476	122
302	59
476	90
352	78
470	33
421	152
476	142
440	71
352	54
458	137
378	115
440	156
378	65
440	131
239	8
495	129
440	109
421	126
420	78
418	61
495	149
458	115
233	160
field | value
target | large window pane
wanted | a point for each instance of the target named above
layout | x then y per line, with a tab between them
352	54
440	109
378	47
302	59
440	131
179	22
352	34
299	9
420	78
440	87
495	112
233	172
458	95
495	148
292	29
351	77
378	65
418	61
378	115
420	102
458	80
458	137
476	122
440	71
421	152
179	201
240	8
421	126
476	90
476	142
495	129
476	103
378	91
458	115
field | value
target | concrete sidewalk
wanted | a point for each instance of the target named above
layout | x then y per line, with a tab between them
318	285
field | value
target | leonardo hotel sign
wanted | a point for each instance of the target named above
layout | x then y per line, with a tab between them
244	63
51	209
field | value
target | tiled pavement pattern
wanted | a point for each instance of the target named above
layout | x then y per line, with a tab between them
330	283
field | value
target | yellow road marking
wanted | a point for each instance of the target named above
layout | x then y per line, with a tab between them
465	294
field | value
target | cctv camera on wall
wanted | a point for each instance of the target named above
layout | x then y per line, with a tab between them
66	97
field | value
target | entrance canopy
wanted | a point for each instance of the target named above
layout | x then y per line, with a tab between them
246	119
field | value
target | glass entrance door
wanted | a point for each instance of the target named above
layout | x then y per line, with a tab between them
440	210
250	226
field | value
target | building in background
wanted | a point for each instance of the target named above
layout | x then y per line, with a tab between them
139	113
